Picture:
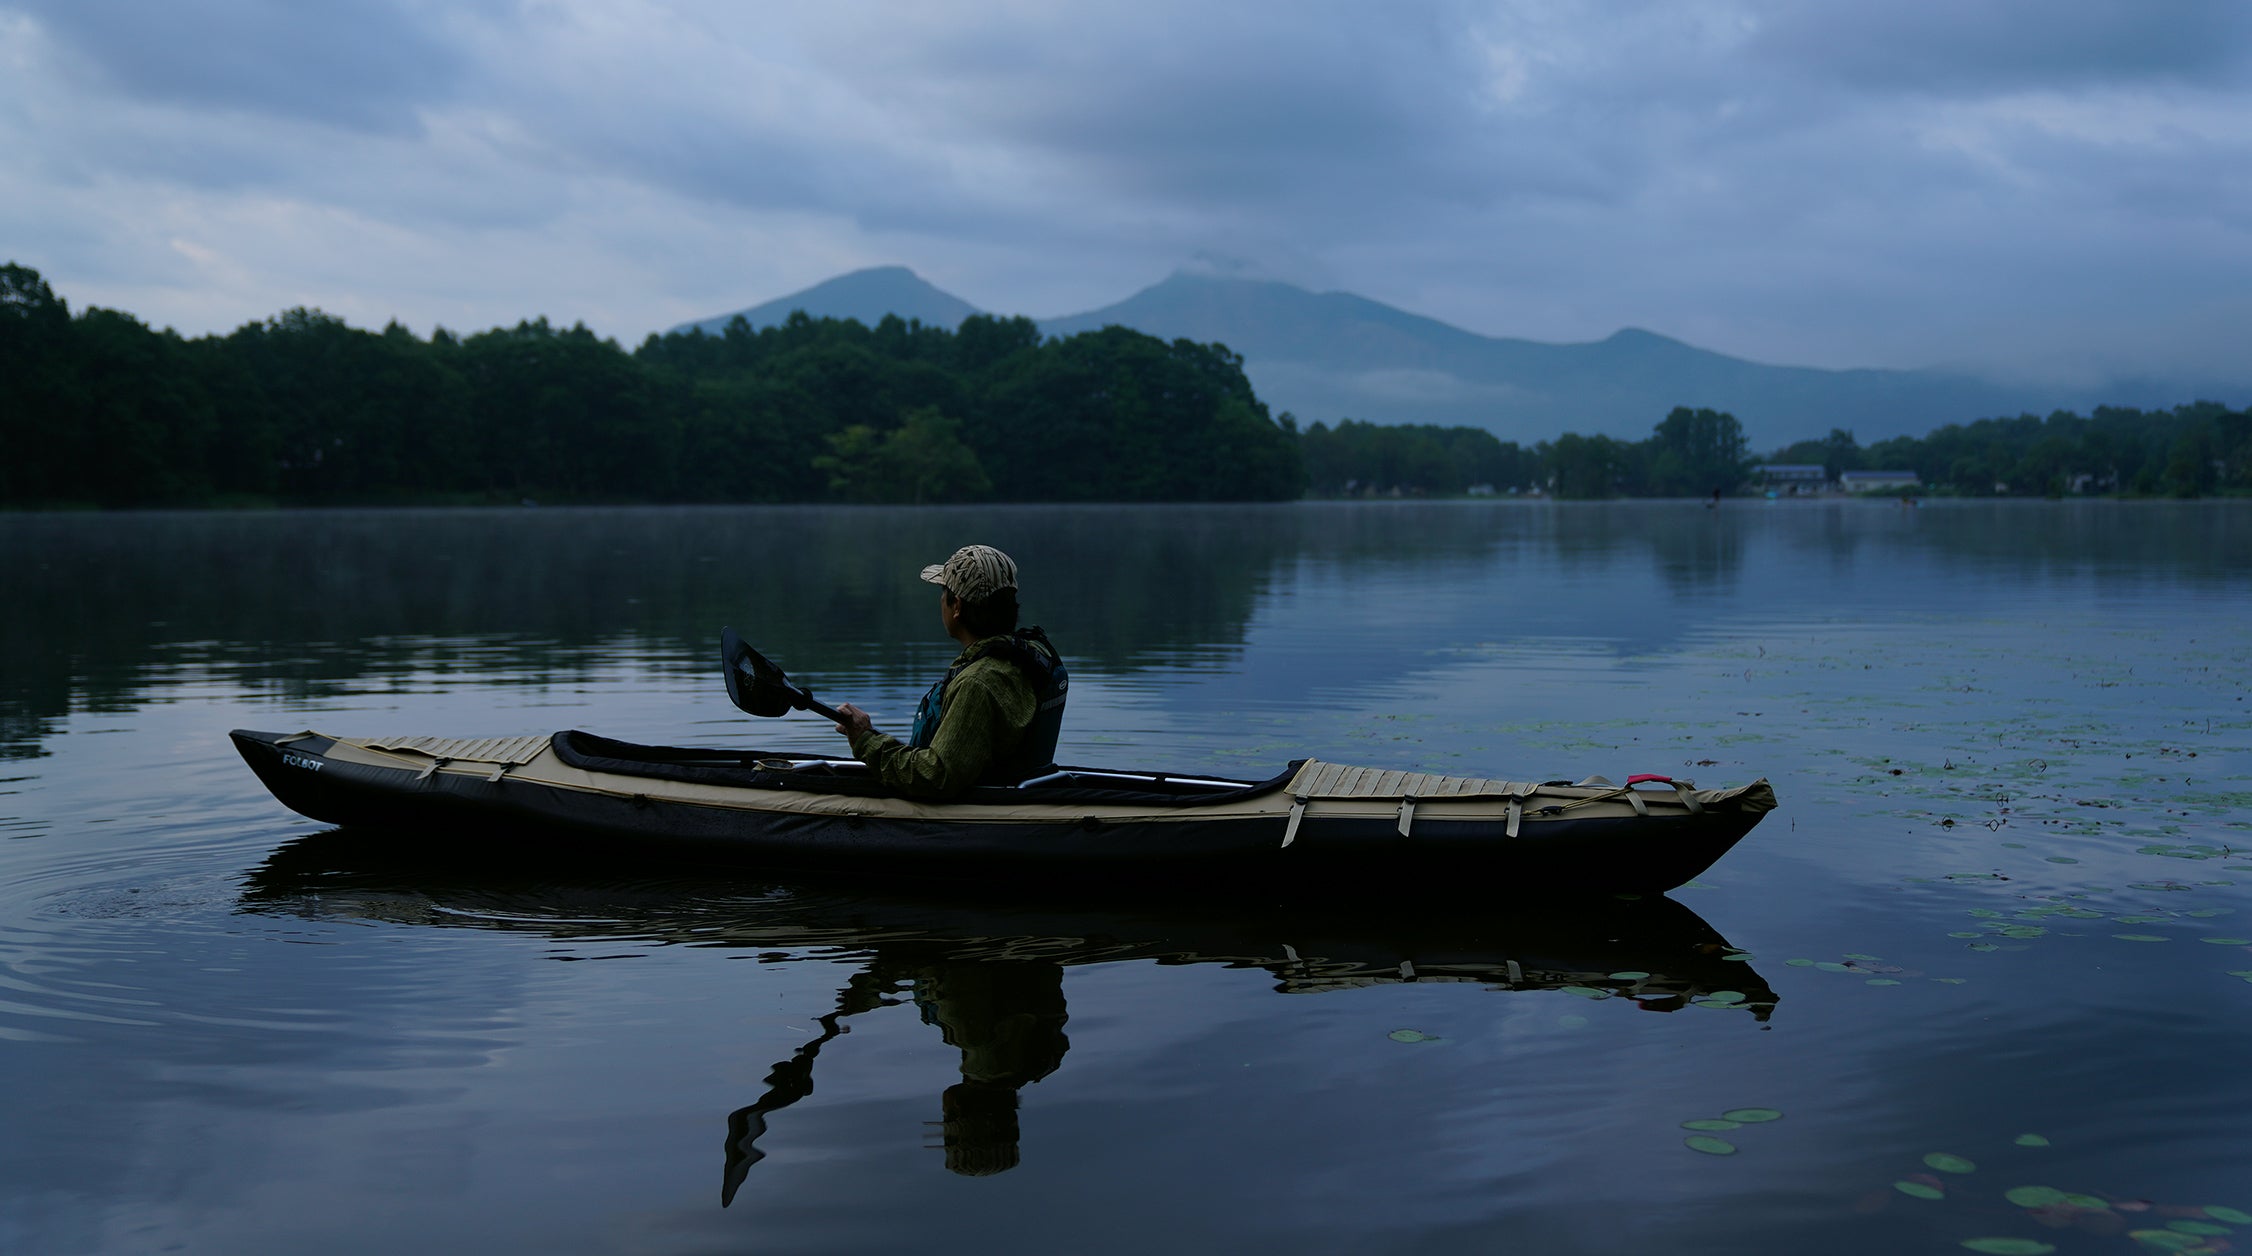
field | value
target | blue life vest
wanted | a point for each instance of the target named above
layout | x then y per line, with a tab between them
1033	655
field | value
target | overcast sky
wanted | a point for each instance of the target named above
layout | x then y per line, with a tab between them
2038	184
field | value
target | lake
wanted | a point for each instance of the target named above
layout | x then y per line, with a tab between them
1984	978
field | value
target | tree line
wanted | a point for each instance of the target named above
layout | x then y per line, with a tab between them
1690	453
99	409
2188	451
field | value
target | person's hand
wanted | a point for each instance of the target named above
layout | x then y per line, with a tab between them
855	721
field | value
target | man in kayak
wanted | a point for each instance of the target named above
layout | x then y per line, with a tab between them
994	717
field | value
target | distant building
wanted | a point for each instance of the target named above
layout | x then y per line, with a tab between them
1878	481
1791	479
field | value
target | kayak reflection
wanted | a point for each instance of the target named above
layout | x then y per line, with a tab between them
988	974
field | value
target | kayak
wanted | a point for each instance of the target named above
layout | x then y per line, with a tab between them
1314	823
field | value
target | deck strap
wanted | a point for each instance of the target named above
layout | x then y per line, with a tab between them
1407	815
1297	813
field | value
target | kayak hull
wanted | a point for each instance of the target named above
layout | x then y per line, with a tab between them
516	798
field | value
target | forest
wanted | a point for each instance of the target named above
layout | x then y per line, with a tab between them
99	410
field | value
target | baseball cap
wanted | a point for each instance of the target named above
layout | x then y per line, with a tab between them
974	573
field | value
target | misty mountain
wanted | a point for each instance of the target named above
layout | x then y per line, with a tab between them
1332	355
866	295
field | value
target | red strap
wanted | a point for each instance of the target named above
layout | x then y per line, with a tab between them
1648	776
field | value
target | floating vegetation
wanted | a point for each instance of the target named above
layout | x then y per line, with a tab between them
1709	1145
1629	975
1751	1116
2230	1215
1412	1035
1917	1190
1712	1124
2010	1247
2030	1140
2228	941
2033	1196
1882	981
2138	937
2166	1240
1947	1162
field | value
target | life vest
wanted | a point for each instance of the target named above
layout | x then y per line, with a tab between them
1043	668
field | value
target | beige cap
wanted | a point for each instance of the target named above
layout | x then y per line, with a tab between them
974	573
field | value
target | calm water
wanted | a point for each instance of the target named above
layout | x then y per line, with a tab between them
2002	897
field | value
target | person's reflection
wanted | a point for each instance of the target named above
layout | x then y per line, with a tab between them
1006	1018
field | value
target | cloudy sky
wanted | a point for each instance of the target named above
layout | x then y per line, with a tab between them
2036	185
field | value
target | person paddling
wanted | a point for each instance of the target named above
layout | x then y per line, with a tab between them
993	719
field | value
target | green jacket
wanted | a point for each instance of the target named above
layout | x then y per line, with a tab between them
988	707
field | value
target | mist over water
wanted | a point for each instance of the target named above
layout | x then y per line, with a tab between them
2003	895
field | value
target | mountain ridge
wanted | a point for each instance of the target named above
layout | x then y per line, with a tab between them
1328	356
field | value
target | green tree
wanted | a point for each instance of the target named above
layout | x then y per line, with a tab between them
1695	452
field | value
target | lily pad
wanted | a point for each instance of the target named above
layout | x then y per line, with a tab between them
2010	1247
1410	1035
1725	997
1712	1124
2230	1215
2205	1228
1882	981
2138	937
2033	1196
2030	1140
1831	966
2025	931
1966	933
2228	941
2166	1240
1587	992
1709	1145
1918	1190
1751	1116
1800	963
2066	859
1946	1162
1629	975
2090	1202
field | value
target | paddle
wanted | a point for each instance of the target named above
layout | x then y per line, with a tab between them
757	686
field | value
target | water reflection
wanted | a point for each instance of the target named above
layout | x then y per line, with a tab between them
988	975
1005	1016
111	611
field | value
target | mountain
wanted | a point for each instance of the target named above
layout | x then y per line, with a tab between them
1326	356
1331	355
866	295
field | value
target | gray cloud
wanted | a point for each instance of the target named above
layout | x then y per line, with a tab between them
1830	184
364	64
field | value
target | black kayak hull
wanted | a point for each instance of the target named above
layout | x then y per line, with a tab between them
621	809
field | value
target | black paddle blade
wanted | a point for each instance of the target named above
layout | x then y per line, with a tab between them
754	685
